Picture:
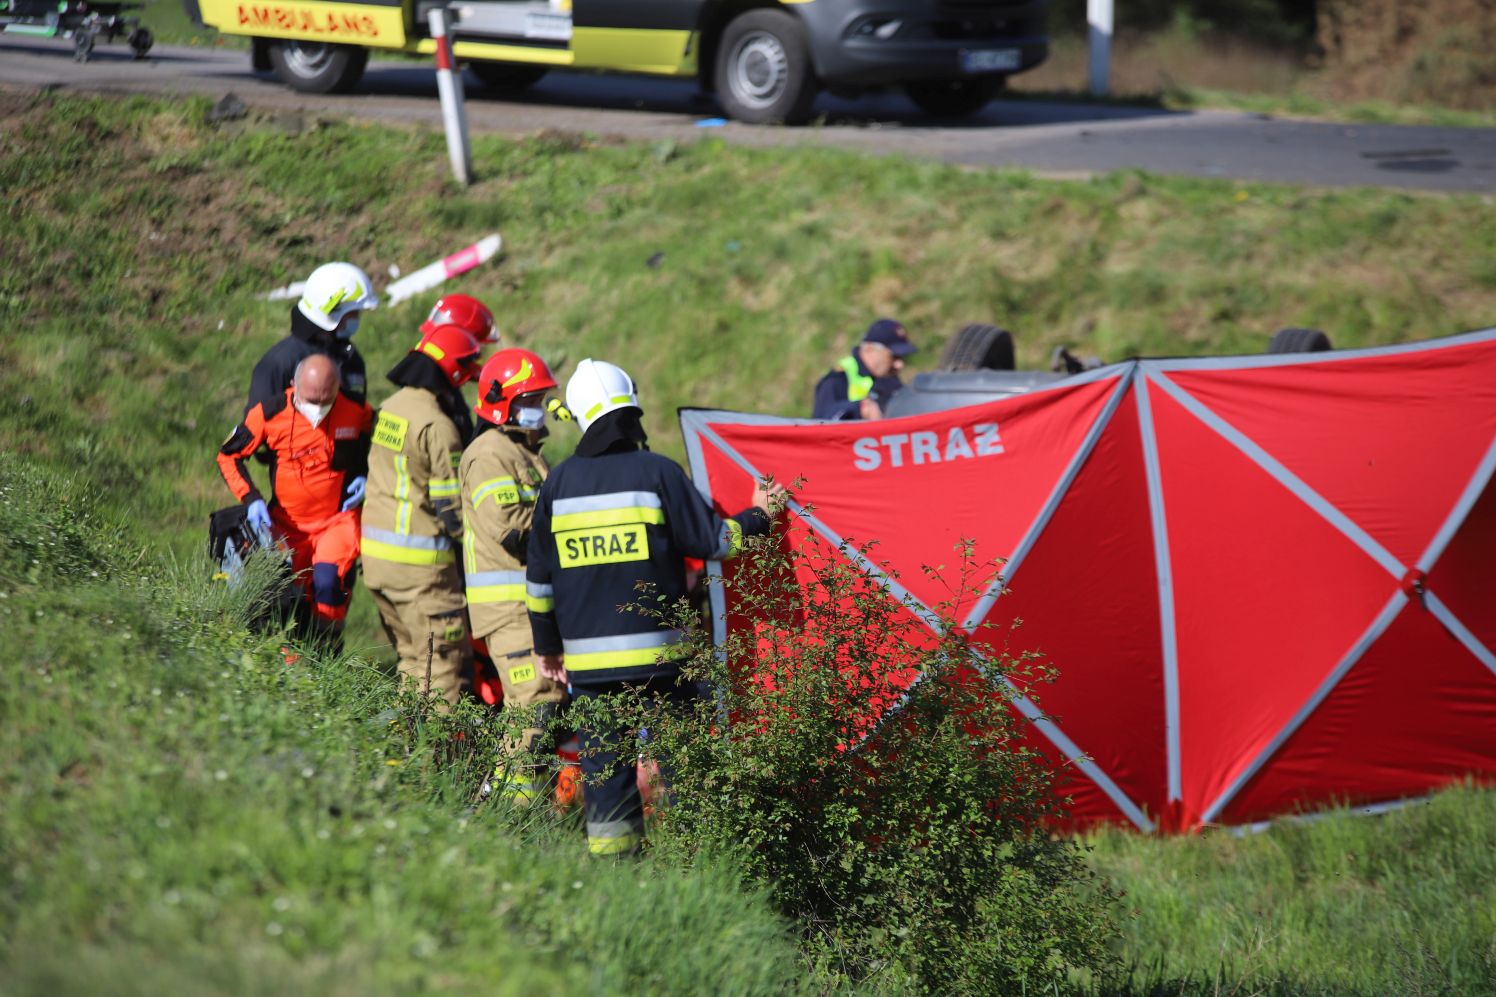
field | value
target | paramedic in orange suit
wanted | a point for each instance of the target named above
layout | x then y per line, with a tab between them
319	444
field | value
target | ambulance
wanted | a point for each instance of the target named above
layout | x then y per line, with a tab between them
766	60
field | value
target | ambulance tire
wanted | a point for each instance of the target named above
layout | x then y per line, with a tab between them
979	347
505	75
955	98
763	73
317	67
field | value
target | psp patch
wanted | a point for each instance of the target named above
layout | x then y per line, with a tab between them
602	545
523	673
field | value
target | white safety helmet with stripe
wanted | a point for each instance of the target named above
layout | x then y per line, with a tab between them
332	291
598	388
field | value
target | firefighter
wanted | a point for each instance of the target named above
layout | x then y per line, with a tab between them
500	477
319	444
323	321
412	523
464	312
610	519
861	384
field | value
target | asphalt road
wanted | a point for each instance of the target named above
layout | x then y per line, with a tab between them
1049	138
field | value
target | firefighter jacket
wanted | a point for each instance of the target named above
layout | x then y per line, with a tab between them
412	509
603	525
272	375
500	479
310	466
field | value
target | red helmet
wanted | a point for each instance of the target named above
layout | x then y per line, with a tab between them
507	375
455	351
464	312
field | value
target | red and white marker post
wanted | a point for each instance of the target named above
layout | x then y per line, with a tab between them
447	267
449	85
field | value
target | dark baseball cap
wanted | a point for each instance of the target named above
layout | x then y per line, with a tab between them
887	332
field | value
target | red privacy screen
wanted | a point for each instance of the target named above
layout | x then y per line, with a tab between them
1268	583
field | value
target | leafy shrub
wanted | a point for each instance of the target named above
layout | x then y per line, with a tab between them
902	826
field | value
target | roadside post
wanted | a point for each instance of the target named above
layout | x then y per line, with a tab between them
1099	17
449	85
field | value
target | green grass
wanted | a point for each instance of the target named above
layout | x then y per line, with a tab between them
182	812
137	239
1399	903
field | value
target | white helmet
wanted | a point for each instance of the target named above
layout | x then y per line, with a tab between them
598	388
332	291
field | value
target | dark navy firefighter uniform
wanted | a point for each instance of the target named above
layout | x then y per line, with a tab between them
603	524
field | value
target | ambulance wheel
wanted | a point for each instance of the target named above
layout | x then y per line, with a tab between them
954	98
505	75
317	67
979	347
763	71
1298	341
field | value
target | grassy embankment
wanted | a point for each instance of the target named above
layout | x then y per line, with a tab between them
132	322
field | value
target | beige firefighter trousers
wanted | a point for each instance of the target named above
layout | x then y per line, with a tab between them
427	624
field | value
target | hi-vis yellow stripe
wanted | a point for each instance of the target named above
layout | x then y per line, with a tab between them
405	555
598	660
615	400
503	491
496	593
607	517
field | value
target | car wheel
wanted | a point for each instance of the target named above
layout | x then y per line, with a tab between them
955	98
505	75
763	72
317	67
979	347
1299	341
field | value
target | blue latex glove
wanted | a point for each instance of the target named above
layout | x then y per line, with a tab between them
258	516
355	493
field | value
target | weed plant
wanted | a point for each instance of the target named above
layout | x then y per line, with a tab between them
902	826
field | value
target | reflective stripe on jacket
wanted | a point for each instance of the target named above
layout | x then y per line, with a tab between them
607	549
500	480
412	510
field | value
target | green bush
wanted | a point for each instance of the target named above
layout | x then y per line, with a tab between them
907	842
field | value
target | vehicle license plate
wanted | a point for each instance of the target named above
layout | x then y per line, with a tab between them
989	60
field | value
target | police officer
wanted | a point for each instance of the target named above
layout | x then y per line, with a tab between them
861	384
323	321
610	519
500	478
412	522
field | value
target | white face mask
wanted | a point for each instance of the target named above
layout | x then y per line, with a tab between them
313	413
529	418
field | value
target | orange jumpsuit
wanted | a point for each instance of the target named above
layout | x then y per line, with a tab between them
310	469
